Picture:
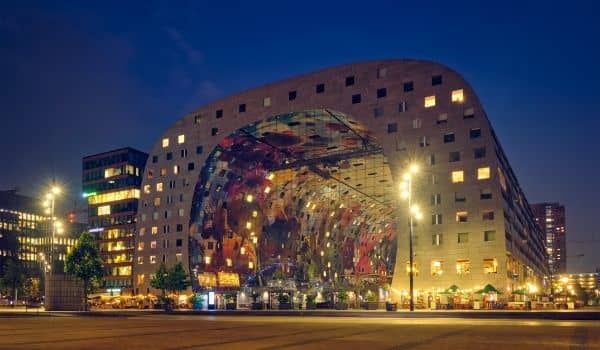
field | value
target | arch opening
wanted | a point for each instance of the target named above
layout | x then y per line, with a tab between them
302	199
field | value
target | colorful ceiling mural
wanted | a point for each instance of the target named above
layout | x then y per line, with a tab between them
304	196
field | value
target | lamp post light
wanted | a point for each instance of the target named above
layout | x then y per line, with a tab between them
49	205
406	187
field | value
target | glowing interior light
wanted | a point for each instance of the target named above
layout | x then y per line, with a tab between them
254	213
271	176
249	198
248	225
267	189
322	253
250	264
243	250
327	234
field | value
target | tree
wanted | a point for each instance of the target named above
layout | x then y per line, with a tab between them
84	263
173	279
13	276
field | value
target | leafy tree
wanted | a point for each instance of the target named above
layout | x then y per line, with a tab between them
13	276
84	263
173	279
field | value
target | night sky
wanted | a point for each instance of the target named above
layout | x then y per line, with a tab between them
78	79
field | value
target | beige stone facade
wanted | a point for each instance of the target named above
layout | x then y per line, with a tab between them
428	114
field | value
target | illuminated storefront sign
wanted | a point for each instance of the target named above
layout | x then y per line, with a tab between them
228	279
207	280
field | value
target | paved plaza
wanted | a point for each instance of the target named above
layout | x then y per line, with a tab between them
157	331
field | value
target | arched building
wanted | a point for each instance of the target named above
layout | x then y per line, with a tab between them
300	178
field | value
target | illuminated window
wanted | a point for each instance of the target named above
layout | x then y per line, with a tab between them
181	138
490	265
110	172
175	169
463	267
415	268
104	210
159	187
463	237
458	176
165	142
437	267
250	264
140	278
163	172
153	245
114	196
142	231
458	96
266	101
154	230
483	173
228	262
140	246
180	212
156	201
462	216
152	259
430	101
140	260
146	189
178	257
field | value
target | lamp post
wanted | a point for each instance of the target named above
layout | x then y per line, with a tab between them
49	204
406	187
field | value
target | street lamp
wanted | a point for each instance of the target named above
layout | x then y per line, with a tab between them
406	187
57	227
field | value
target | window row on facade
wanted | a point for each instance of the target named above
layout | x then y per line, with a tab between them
437	267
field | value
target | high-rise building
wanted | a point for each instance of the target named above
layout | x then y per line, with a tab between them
111	184
300	180
550	217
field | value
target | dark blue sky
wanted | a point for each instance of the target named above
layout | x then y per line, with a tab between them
77	79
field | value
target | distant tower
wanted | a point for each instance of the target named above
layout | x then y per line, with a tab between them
550	217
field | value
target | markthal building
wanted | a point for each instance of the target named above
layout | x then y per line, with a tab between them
295	187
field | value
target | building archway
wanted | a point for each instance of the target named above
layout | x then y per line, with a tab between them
304	197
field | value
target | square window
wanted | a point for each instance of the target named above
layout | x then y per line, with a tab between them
191	166
152	259
214	131
436	199
219	114
350	80
490	265
381	73
458	176
449	137
179	228
266	102
454	157
242	108
159	187
489	236
458	96
183	153
292	95
462	216
469	113
429	101
479	153
153	245
163	171
463	237
436	239
146	189
463	267
424	142
402	107
416	123
408	86
381	93
436	80
154	159
197	119
378	112
181	139
199	149
436	219
460	197
169	155
392	127
475	133
320	88
175	170
356	99
154	230
179	242
485	194
431	159
488	215
165	142
442	118
437	267
483	173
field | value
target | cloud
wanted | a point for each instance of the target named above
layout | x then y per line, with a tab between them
192	54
